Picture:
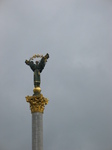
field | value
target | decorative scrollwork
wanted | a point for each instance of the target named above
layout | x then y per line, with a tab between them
37	103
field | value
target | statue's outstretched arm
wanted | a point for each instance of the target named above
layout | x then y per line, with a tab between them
27	62
43	62
31	64
46	56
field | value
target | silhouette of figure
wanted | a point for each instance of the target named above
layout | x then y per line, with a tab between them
37	68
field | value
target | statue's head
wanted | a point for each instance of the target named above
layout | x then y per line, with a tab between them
36	62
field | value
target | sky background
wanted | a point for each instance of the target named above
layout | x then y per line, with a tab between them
77	78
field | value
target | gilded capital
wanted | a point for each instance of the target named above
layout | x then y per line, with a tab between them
37	103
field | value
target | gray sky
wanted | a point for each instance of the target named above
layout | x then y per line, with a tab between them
77	78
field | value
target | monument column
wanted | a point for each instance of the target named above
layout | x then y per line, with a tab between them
37	104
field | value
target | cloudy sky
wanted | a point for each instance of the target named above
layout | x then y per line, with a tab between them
77	78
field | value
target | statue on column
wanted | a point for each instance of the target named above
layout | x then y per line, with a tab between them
37	69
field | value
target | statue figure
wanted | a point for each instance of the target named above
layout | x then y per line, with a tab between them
37	68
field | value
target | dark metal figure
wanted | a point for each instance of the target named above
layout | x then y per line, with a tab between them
37	68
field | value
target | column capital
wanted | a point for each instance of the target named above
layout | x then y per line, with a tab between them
37	103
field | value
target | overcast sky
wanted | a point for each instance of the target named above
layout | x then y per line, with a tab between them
77	78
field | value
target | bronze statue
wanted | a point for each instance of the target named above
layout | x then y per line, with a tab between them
37	68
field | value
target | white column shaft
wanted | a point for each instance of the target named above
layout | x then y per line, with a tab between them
37	131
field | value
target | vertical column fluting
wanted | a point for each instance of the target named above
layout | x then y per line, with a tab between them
37	131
